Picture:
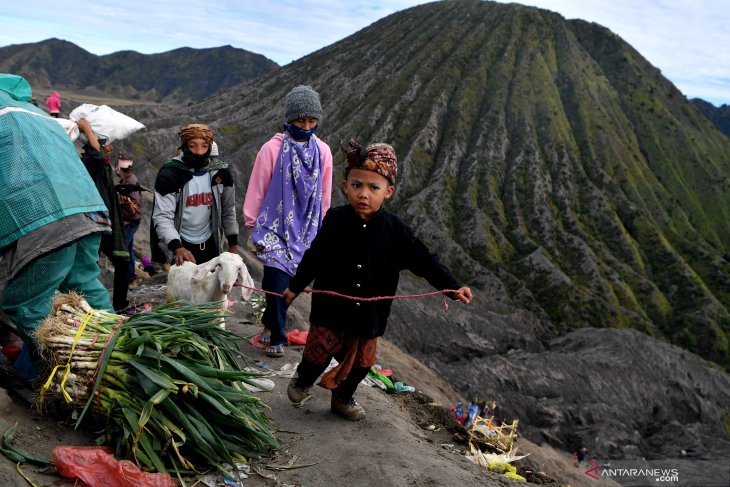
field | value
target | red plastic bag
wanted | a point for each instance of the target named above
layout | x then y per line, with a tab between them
11	352
96	467
297	337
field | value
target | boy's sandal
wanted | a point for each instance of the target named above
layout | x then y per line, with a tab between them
275	351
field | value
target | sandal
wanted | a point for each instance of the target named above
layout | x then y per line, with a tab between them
276	351
260	340
265	338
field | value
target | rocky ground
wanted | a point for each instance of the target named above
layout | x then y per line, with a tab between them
406	439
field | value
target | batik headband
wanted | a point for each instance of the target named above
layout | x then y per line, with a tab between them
378	157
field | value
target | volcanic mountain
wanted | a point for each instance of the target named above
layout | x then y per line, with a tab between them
541	157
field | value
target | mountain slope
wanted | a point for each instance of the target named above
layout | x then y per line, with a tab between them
720	116
542	155
50	63
173	76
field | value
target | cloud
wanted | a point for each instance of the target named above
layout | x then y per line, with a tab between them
283	31
688	40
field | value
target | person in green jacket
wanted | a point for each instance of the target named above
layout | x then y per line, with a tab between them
51	219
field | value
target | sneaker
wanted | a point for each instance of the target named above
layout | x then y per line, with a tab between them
349	409
296	393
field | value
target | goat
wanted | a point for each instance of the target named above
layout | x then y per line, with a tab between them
209	281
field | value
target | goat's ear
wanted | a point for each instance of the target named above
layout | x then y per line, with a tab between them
204	268
246	283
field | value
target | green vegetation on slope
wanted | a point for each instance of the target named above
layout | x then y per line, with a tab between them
551	150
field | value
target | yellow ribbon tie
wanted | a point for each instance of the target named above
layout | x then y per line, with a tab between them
67	367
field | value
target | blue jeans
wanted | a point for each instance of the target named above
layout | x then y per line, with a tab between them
129	230
274	318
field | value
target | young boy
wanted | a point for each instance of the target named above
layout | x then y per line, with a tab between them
359	251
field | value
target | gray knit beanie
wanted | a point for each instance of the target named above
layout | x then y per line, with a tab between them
302	101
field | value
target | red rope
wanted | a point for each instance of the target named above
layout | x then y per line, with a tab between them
359	298
96	339
76	324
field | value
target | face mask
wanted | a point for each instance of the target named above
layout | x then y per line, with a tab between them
194	160
299	133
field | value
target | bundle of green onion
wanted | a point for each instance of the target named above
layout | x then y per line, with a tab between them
167	383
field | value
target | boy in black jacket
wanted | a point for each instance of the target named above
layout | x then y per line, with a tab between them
359	251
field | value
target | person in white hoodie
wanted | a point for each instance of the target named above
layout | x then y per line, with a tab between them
194	203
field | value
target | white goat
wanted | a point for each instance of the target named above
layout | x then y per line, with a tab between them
209	281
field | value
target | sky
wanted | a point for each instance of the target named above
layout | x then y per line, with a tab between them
688	40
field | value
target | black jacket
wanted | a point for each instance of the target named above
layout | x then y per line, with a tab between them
170	196
358	258
101	174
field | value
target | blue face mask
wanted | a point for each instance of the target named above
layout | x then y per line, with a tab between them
299	133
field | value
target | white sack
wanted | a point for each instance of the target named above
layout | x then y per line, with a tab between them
70	127
106	122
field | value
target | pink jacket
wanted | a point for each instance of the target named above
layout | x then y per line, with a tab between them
263	169
53	102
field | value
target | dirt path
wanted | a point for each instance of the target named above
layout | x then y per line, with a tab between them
387	445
